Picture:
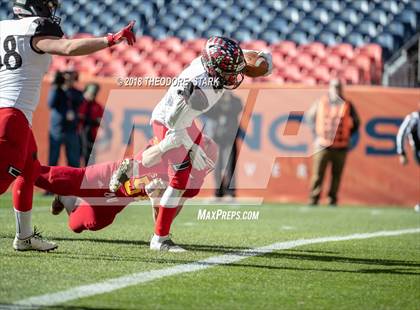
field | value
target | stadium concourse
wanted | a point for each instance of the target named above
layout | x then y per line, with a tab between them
311	41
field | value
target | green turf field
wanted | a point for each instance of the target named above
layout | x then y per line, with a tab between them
374	273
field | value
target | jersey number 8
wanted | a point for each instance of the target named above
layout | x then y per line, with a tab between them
9	46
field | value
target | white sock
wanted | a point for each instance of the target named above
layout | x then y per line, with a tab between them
159	239
23	224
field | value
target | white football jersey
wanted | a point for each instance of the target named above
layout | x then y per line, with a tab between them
21	68
197	74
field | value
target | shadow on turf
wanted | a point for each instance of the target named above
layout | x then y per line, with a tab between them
290	254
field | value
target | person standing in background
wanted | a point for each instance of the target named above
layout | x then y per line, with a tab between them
64	102
90	115
223	126
334	120
410	128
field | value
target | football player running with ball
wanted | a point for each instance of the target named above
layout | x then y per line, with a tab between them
26	45
221	66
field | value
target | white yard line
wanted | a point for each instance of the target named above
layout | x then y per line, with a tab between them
147	276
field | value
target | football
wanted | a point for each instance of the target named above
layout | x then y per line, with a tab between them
256	65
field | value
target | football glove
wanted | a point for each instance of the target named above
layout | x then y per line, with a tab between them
127	33
199	159
173	139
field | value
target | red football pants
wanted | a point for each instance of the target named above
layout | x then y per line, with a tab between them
99	207
178	161
18	157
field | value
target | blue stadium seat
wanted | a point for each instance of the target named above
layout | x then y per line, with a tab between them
170	21
271	36
186	33
242	35
292	14
409	18
355	39
387	42
321	15
264	13
310	26
338	27
351	16
305	5
367	28
328	38
335	6
396	28
159	32
281	25
299	36
390	6
363	6
379	17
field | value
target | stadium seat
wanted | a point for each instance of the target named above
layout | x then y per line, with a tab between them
271	36
338	27
328	38
254	45
379	17
385	24
304	5
321	15
113	68
315	49
292	14
335	6
143	70
350	75
321	74
344	50
363	6
351	16
386	40
310	26
333	62
305	61
356	39
280	23
363	63
292	74
300	37
367	28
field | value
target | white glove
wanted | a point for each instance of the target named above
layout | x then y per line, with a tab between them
155	190
173	139
199	159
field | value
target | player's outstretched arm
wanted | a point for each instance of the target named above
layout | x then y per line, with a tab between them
85	46
153	155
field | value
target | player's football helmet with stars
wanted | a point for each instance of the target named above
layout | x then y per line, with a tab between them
223	59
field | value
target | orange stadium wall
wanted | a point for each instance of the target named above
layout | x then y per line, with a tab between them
372	174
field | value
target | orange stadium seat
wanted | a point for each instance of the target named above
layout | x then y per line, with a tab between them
321	74
363	63
114	68
344	50
350	75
